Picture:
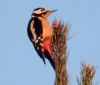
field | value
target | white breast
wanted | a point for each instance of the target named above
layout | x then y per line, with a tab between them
47	30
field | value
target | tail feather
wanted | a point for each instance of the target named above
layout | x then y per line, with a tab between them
44	60
48	56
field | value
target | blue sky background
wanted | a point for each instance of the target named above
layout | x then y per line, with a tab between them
20	64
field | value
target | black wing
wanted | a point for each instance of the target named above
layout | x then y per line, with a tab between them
34	30
36	25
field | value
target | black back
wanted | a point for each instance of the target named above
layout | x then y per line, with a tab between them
38	30
37	25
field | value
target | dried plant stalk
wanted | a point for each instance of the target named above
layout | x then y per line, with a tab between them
59	52
86	75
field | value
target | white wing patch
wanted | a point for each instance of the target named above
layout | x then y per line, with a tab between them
33	31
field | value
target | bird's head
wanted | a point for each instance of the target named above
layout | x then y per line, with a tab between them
42	12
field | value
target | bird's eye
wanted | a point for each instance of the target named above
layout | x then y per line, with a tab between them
42	10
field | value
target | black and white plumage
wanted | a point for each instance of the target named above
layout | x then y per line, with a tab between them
40	32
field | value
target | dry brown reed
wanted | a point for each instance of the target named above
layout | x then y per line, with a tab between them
86	74
59	52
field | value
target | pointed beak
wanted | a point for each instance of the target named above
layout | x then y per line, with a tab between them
51	11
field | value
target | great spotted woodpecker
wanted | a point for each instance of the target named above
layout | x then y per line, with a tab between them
40	32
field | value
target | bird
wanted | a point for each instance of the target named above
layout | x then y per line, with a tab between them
39	32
